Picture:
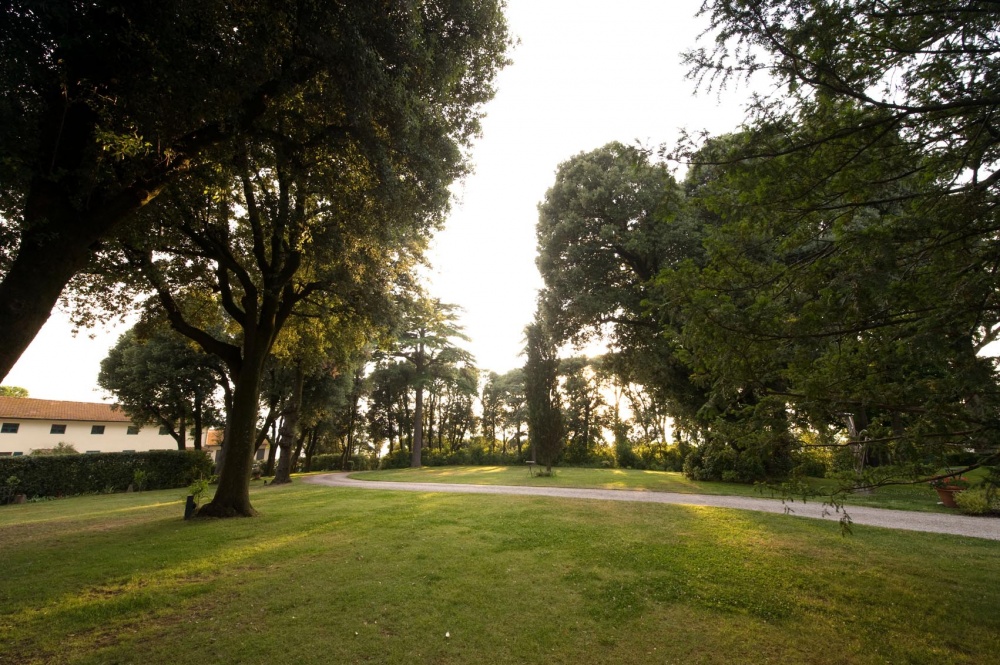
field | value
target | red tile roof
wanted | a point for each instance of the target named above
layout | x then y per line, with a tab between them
27	408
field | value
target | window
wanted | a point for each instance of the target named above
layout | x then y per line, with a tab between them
132	430
17	453
5	454
164	431
9	428
96	429
93	452
57	429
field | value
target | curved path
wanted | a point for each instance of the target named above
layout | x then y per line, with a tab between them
960	525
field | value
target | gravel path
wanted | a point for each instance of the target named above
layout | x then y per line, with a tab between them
960	525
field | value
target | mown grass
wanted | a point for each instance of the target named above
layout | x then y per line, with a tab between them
900	497
331	575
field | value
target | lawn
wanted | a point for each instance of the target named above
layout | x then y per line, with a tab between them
901	497
330	575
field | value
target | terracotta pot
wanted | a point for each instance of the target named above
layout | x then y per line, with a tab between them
947	495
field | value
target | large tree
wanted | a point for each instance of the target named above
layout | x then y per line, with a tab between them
158	377
327	201
855	269
426	338
104	104
611	222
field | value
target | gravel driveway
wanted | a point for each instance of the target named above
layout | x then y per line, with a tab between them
960	525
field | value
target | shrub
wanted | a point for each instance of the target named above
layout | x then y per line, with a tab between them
9	489
63	475
979	500
397	459
197	489
973	501
325	462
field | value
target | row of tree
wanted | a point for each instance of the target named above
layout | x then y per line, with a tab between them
826	274
419	386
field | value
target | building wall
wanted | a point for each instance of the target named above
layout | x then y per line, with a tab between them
35	434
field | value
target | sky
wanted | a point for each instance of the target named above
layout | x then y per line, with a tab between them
585	72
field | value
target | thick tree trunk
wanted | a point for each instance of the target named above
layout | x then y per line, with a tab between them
418	429
289	427
58	237
29	293
232	496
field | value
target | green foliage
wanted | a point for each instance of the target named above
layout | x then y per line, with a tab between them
397	459
67	475
651	456
13	391
9	489
850	275
110	103
545	422
140	477
198	488
613	219
973	501
332	462
473	454
159	377
426	337
61	448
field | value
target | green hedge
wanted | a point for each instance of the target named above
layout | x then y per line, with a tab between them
65	475
331	462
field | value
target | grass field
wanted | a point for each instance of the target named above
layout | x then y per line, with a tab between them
331	575
901	497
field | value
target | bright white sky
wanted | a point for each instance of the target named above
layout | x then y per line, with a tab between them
586	72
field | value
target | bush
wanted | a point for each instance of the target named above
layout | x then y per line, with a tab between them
65	475
397	459
325	462
977	501
961	458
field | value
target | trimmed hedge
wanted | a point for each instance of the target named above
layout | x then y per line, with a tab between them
65	475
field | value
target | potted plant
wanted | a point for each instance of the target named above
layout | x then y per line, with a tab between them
948	486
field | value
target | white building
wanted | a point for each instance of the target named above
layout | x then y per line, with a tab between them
31	424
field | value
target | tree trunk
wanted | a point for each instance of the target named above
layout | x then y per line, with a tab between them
197	421
418	429
232	496
428	434
272	452
289	427
182	441
297	453
56	241
311	448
